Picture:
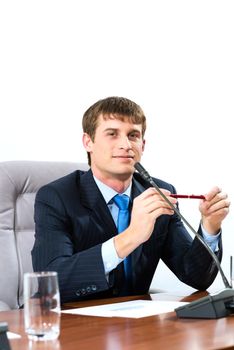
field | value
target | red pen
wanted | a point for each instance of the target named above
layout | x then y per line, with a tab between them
191	196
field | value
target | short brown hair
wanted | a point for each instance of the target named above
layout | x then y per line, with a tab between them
117	107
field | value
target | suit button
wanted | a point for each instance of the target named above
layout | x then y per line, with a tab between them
115	292
94	288
83	291
78	293
88	289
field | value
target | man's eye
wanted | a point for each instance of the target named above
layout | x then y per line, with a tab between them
133	136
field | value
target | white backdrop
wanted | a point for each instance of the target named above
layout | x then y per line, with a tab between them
174	58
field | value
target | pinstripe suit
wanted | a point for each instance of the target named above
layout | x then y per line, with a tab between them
73	220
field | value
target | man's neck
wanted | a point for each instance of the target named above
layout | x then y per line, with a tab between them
119	183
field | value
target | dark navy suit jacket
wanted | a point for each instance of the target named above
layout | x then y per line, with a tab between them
73	220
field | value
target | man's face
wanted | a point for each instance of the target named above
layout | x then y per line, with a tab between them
117	146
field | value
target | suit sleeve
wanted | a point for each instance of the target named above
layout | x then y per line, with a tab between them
188	258
80	273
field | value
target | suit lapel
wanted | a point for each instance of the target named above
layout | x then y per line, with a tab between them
92	198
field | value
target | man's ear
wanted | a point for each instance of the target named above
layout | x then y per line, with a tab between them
87	142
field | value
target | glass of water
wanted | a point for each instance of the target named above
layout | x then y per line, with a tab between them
42	305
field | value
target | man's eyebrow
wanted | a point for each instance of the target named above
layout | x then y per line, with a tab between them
133	130
110	129
136	130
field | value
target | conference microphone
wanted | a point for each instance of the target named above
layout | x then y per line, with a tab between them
212	306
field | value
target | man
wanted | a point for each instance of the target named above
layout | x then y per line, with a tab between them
78	217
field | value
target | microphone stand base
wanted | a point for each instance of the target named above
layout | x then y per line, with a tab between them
212	306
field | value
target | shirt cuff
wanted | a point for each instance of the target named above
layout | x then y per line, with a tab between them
109	256
211	240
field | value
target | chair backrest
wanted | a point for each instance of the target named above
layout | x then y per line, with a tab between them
19	182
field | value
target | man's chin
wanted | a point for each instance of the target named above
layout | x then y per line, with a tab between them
125	170
124	163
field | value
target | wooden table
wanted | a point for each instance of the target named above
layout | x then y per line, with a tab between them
165	331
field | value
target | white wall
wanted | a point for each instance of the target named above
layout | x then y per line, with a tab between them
174	58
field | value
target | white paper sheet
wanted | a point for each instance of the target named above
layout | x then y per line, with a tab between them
11	335
132	309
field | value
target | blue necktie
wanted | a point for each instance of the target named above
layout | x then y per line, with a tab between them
122	202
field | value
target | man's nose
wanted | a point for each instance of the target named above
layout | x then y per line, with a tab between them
125	143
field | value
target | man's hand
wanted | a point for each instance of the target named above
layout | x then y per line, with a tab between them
147	207
214	209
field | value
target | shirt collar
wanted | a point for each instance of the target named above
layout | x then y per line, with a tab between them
108	192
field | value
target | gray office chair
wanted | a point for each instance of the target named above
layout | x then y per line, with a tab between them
19	182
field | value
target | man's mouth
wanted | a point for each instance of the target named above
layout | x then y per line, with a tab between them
124	157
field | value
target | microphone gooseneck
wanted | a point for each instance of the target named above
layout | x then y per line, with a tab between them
145	175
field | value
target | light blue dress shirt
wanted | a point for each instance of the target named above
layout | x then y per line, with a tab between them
109	254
